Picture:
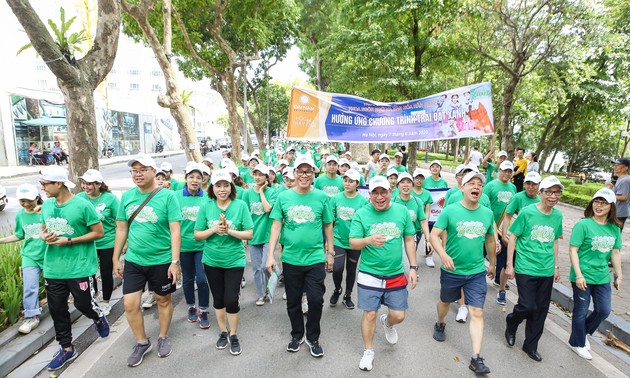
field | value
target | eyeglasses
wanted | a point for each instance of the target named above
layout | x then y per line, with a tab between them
141	171
600	203
550	193
300	172
44	183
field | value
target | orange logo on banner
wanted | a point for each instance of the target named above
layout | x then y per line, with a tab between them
304	114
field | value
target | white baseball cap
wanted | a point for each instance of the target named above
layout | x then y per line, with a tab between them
290	148
550	181
352	174
262	169
254	158
378	182
418	172
288	173
343	161
305	159
143	159
208	159
220	175
166	166
193	166
532	177
436	162
384	156
225	162
506	165
606	194
348	153
283	161
26	191
92	175
403	176
245	157
332	158
398	154
271	168
471	175
392	171
55	173
232	169
459	169
354	165
502	153
205	169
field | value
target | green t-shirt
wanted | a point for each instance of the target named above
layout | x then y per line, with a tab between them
519	201
176	185
303	216
415	208
71	220
343	211
239	192
456	197
149	235
424	196
247	177
27	228
537	233
500	195
450	192
395	192
260	219
189	206
400	169
430	183
394	223
106	206
224	251
466	232
491	172
330	186
595	243
243	170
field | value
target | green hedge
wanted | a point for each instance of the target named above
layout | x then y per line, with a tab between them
575	199
10	284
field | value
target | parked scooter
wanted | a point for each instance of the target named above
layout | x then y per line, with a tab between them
159	147
108	150
3	197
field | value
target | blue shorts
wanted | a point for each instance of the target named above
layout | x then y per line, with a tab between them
371	300
474	286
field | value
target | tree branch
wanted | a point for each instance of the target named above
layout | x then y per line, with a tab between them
100	59
190	46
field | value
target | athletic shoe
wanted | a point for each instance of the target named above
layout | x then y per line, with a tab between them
235	346
192	314
501	298
304	306
243	282
164	347
316	349
587	345
204	322
222	343
149	301
102	326
347	301
139	350
478	366
582	352
260	301
438	331
366	361
105	307
462	314
390	332
284	296
28	325
334	298
62	357
294	344
429	261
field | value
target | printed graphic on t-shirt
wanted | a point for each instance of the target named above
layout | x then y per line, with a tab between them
330	190
543	234
190	213
300	214
387	229
257	208
413	215
31	231
146	214
59	226
471	229
99	210
603	244
214	222
504	197
345	213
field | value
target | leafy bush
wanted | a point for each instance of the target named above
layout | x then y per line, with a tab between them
10	284
575	199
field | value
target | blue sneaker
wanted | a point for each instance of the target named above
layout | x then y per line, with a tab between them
204	322
102	326
62	357
192	314
501	298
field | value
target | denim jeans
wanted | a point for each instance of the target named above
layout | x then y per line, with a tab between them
30	294
583	323
192	270
258	254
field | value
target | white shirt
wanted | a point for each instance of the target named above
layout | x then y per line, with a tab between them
476	157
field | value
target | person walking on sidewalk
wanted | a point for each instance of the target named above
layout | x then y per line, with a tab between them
435	181
96	192
380	229
534	233
622	189
151	228
224	222
331	183
594	240
301	213
71	225
468	227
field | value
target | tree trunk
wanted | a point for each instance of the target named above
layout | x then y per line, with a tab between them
550	168
456	154
232	108
360	152
412	159
505	127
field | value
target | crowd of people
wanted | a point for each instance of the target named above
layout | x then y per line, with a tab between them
501	224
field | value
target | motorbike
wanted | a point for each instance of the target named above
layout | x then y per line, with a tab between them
3	198
204	148
108	150
159	147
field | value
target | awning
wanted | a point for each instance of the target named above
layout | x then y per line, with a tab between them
45	121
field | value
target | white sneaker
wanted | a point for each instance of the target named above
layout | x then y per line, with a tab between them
105	307
304	306
582	352
366	360
587	345
243	282
28	325
149	301
260	301
462	314
390	332
429	261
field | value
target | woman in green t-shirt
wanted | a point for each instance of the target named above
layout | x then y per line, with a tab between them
594	239
28	224
435	181
224	222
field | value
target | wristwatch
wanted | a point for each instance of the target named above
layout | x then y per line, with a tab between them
69	242
413	267
176	262
332	253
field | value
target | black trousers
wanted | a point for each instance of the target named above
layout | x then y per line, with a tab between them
225	285
309	279
106	267
534	296
58	292
347	259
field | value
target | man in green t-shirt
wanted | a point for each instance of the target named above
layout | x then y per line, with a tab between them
154	240
398	158
468	226
331	183
379	229
300	213
71	225
535	233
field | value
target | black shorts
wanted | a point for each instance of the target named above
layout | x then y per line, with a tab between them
136	276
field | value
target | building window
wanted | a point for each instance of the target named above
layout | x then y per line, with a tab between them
134	72
112	85
41	66
112	71
156	88
156	73
42	84
134	86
